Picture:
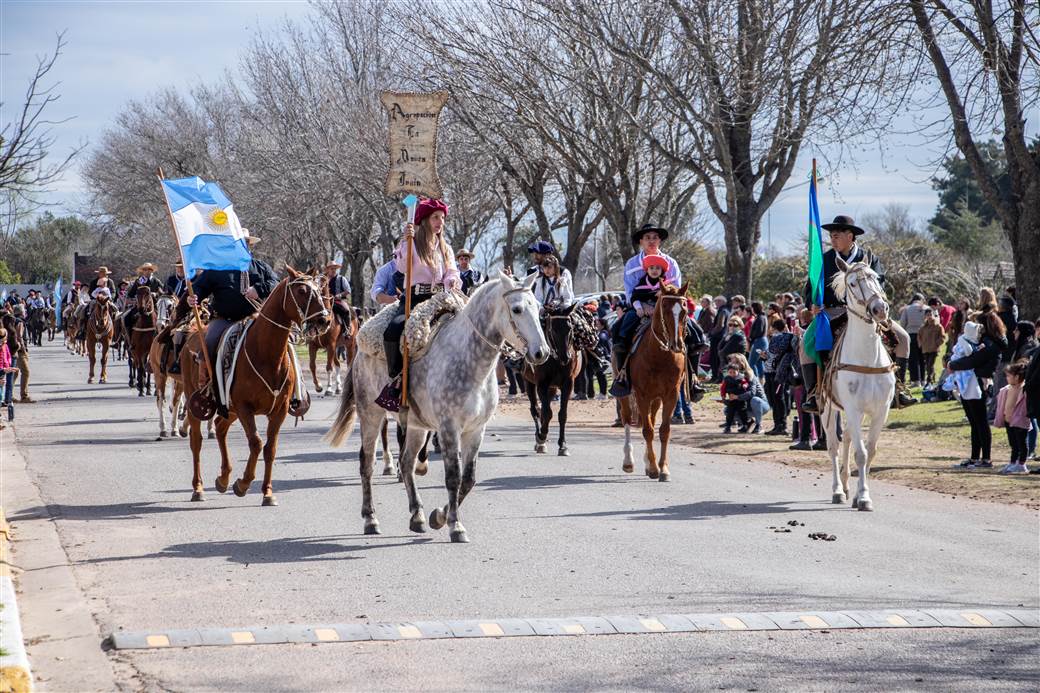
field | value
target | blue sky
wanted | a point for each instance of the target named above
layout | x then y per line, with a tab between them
117	51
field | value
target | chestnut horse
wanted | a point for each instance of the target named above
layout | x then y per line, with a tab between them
100	329
656	370
263	383
140	339
331	340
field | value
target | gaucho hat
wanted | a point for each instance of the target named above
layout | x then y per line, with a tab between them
647	228
844	223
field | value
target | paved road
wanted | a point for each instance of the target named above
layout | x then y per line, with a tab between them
550	537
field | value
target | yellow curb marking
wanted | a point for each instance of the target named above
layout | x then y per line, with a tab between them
733	623
897	620
242	637
326	634
652	624
814	621
409	632
574	629
491	629
157	641
976	619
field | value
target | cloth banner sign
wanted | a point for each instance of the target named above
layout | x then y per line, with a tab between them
413	141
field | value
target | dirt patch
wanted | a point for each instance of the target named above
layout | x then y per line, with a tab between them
917	449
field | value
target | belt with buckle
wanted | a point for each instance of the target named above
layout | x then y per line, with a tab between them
426	289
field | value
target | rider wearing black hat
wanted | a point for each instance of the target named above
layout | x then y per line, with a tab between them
843	235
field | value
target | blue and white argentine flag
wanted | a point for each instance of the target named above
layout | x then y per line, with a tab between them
207	227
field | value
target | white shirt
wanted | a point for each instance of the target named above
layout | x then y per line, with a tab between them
561	293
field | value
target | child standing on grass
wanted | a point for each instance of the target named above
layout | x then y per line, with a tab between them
1011	415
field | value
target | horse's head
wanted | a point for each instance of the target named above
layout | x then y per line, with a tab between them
559	332
145	304
670	318
520	319
308	307
163	309
859	288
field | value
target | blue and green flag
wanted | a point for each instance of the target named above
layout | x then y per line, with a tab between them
818	337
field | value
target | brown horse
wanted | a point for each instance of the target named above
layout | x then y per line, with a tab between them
657	369
100	330
263	383
556	374
331	340
142	334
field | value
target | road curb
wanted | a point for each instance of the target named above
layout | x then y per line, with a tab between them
15	674
966	617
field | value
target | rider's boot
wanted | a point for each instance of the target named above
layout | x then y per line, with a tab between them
809	377
902	397
621	386
390	397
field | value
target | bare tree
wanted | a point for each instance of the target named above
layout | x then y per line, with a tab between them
986	57
751	82
27	142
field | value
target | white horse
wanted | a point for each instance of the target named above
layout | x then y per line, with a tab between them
451	390
864	383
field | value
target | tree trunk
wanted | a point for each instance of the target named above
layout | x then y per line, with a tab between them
1025	245
742	236
357	278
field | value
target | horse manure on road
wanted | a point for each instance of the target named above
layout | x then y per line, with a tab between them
822	536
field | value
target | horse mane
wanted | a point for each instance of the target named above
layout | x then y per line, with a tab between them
669	290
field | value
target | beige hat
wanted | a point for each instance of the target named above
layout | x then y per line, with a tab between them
101	270
463	252
147	267
332	265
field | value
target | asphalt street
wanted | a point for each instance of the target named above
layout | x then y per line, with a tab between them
549	537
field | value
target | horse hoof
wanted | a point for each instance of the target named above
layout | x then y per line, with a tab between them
417	524
269	501
865	505
653	473
664	476
458	536
563	452
211	435
197	497
140	393
235	488
318	388
838	498
222	488
539	448
90	381
388	471
102	381
421	468
437	518
628	468
372	527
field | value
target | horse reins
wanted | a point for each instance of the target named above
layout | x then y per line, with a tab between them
667	346
310	299
512	324
867	318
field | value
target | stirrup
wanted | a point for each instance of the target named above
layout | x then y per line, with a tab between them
810	405
390	397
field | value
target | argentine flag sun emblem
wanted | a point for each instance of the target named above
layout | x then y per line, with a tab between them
207	227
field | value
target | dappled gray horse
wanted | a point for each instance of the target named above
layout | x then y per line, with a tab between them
452	390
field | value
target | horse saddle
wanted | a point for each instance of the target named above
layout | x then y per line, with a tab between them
637	339
228	349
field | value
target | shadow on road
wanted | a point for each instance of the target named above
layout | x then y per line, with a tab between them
283	550
703	510
521	483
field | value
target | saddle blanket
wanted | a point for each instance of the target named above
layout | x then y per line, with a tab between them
426	320
230	347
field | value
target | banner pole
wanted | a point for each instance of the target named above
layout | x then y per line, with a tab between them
411	201
187	278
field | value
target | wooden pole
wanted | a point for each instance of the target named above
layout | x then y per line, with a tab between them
409	243
187	277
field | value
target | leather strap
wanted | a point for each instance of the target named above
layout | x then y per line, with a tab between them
867	370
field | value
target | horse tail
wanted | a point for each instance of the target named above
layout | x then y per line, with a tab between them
344	422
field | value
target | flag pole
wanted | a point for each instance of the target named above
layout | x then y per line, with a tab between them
411	201
187	278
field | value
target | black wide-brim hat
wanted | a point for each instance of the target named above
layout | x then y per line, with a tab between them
844	223
647	228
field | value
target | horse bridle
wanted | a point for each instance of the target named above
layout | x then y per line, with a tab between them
667	346
505	346
149	313
315	292
861	296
